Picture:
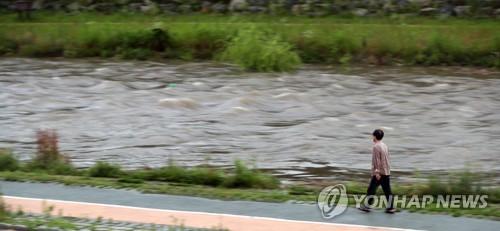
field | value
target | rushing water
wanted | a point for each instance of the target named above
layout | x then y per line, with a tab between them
314	123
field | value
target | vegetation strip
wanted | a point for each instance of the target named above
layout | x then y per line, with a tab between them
282	43
242	183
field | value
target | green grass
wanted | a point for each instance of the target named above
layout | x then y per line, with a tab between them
277	41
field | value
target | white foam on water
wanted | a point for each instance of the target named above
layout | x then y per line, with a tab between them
238	110
179	103
287	96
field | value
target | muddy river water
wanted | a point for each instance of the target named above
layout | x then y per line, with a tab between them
312	124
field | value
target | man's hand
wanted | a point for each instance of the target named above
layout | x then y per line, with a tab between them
377	174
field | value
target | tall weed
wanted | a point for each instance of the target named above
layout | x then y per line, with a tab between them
48	158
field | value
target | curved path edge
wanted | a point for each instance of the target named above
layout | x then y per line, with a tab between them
173	217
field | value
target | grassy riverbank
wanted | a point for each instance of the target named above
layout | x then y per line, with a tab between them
278	43
242	183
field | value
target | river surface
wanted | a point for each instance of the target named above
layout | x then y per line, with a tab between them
311	124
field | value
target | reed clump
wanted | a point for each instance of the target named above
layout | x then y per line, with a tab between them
48	157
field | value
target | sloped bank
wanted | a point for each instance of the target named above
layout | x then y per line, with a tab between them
325	41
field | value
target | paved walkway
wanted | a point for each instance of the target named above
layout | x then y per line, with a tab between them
133	206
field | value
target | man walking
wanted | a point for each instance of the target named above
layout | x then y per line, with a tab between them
380	173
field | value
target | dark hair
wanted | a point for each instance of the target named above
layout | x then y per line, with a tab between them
379	134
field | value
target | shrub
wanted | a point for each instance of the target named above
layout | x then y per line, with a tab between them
8	162
173	173
7	46
312	50
62	168
443	50
105	169
249	178
243	177
458	184
462	184
344	44
207	176
156	39
204	42
253	49
436	187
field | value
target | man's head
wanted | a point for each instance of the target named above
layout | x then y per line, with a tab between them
378	135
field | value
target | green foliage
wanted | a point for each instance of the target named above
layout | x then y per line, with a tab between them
8	162
494	56
7	46
245	177
298	189
41	49
441	50
344	46
435	187
202	42
129	180
311	49
276	44
58	167
128	44
3	210
105	169
254	49
462	183
156	39
174	173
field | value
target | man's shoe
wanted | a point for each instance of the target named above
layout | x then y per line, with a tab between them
365	209
391	211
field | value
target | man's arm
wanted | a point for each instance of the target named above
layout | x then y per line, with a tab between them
377	161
